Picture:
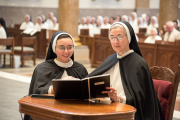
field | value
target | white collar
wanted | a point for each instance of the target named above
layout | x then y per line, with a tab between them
125	54
64	65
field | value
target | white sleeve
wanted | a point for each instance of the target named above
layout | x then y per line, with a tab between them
49	91
122	94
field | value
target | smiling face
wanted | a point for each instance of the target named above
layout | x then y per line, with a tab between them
120	46
64	49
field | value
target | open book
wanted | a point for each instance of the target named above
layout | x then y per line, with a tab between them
86	88
30	31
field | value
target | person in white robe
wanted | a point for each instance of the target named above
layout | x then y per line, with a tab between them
111	20
39	25
97	29
153	24
153	37
44	21
106	24
89	26
49	20
27	24
55	25
82	25
145	24
172	34
134	23
93	21
3	35
125	18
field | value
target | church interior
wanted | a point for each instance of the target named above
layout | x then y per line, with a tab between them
30	25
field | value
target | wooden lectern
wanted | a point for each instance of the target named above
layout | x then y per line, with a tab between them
53	109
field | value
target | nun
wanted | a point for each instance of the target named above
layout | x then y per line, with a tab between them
130	78
39	25
154	36
55	25
134	22
153	24
58	65
27	24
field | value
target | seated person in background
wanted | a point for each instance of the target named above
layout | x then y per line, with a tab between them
3	35
118	18
44	21
111	20
27	24
145	25
172	34
163	31
153	37
89	26
55	25
82	25
59	64
3	32
153	24
106	24
49	20
93	21
134	22
176	25
97	29
39	25
130	77
125	18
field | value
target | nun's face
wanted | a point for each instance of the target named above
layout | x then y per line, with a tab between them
120	46
153	33
39	21
27	19
64	49
152	21
132	16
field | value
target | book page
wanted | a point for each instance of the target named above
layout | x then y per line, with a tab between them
96	76
28	31
33	32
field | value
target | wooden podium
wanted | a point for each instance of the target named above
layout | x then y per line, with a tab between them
53	109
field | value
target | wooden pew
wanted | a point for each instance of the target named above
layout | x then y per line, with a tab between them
41	40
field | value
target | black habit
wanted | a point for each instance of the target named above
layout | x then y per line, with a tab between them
136	79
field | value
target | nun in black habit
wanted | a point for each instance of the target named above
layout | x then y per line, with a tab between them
130	78
59	64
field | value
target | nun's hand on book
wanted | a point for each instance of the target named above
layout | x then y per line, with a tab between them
68	77
112	94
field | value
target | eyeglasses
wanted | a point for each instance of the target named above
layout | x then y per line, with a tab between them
62	48
119	37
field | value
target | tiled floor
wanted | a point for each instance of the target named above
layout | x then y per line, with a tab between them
14	84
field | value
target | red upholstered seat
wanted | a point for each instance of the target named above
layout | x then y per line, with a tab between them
163	90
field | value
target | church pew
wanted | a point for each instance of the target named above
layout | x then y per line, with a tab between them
41	40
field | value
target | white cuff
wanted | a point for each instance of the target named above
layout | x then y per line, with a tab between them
49	91
124	99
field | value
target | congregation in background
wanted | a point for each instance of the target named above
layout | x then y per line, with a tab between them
169	32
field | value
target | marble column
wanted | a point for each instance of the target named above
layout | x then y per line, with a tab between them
168	11
68	14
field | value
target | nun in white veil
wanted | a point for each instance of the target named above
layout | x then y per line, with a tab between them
153	24
154	36
39	25
134	23
27	24
82	25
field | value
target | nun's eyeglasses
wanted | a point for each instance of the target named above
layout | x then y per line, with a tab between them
62	48
119	37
